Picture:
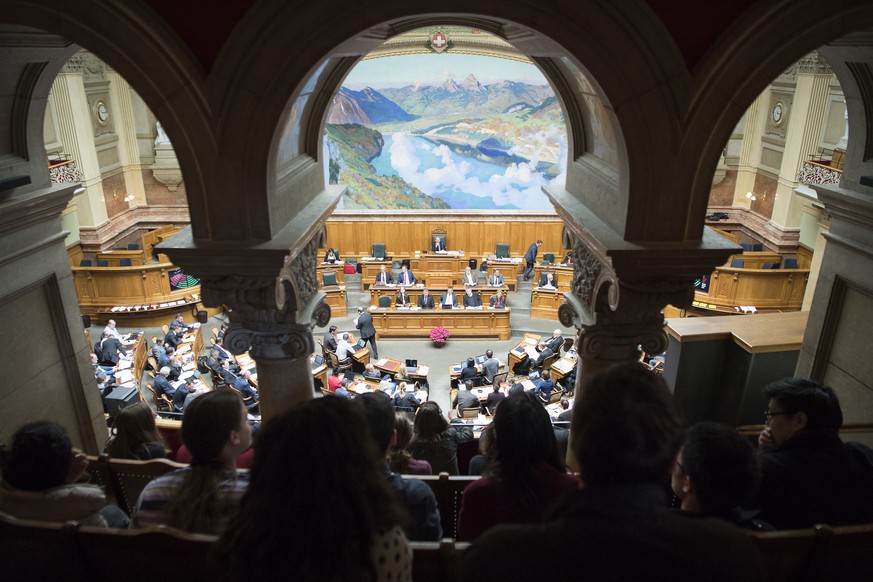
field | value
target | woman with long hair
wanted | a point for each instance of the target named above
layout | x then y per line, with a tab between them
135	435
201	498
525	476
319	506
436	441
399	459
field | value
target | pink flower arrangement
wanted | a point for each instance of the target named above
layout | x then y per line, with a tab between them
439	335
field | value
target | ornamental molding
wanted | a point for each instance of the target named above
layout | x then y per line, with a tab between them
810	64
88	65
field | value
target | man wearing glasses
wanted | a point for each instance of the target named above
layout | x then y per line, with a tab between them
808	475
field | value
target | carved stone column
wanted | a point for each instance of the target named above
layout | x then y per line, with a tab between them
620	287
272	295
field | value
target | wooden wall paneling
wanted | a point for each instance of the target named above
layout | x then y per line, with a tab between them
75	254
804	257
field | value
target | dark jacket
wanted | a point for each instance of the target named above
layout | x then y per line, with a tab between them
365	324
814	477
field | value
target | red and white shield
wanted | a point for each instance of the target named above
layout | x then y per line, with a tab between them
439	41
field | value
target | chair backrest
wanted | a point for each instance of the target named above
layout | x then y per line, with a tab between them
789	263
132	247
469	412
555	395
746	246
549	257
757	247
102	263
737	263
384	301
329	279
165	328
547	363
448	491
568	343
130	477
502	251
379	250
334	361
39	550
85	263
153	363
161	402
125	262
501	377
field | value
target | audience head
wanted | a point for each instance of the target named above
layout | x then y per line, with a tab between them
332	329
315	446
539	242
106	334
111	323
215	428
370	368
379	414
360	310
425	291
797	404
213	354
471	362
716	471
565	404
469	290
545	375
489	354
468	384
626	427
165	371
401	387
41	457
556	333
346	336
134	426
429	421
523	434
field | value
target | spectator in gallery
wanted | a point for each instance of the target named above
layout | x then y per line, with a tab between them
626	433
480	463
808	474
400	460
526	475
288	527
202	497
415	496
716	472
135	435
42	480
436	441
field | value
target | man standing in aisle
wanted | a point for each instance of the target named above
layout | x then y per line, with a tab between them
368	331
530	259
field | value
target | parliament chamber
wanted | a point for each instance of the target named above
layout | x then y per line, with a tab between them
673	135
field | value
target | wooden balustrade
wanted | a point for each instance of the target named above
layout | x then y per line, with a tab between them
764	289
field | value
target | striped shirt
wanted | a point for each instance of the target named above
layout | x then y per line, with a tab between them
155	499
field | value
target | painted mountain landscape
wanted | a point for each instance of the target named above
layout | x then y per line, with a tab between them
448	144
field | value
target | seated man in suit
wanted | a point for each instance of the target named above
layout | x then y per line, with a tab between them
469	278
329	340
547	281
384	277
244	386
110	328
568	259
544	353
543	389
344	349
182	394
228	375
331	256
162	385
496	279
448	299
402	299
173	336
180	320
490	366
175	368
465	398
556	341
498	301
405	277
438	244
371	373
425	301
471	298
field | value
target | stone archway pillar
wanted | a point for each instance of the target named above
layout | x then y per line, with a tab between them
620	287
272	298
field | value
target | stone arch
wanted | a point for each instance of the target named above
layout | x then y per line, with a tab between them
751	53
605	90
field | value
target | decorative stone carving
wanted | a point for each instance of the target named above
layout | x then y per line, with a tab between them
810	64
166	168
88	65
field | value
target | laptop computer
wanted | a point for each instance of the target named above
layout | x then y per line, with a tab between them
533	376
361	343
411	366
319	360
481	359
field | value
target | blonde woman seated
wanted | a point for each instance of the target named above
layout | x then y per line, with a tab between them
135	435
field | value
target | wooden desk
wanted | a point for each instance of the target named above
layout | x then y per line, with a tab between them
320	374
133	296
336	298
544	303
764	289
390	366
114	257
369	270
438	263
512	266
390	291
471	323
519	354
563	367
755	259
337	269
563	275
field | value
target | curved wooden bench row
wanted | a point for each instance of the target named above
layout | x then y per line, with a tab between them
34	550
